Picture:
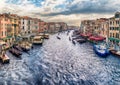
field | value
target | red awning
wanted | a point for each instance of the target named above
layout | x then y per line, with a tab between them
86	35
97	38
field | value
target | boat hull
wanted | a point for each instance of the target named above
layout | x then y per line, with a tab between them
5	59
105	52
15	52
114	52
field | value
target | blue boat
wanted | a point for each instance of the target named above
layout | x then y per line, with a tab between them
101	50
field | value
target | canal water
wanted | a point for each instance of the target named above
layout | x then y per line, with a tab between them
60	62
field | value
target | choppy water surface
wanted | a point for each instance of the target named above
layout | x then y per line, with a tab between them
59	62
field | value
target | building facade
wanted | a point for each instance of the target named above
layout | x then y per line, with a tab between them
15	25
104	29
5	25
114	28
35	25
26	25
87	26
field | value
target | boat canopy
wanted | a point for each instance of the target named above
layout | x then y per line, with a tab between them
114	39
37	37
2	43
97	38
86	35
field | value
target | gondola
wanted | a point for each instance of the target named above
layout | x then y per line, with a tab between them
58	37
80	40
15	52
69	39
73	42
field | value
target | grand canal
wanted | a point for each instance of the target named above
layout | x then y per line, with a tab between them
59	62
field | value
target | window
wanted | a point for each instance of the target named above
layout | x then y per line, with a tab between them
118	28
36	27
23	27
117	35
28	32
113	34
110	28
5	33
110	23
2	33
110	34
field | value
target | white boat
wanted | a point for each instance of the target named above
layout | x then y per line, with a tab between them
37	39
44	35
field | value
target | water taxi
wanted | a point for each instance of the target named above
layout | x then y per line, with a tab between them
101	50
25	47
44	35
38	39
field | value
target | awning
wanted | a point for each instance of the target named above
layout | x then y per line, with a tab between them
2	42
97	38
114	39
6	38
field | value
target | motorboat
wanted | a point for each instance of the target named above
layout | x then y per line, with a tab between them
25	47
101	50
44	35
38	40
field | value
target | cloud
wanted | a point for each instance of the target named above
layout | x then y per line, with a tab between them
89	6
70	11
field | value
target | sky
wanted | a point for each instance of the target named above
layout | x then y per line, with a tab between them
69	11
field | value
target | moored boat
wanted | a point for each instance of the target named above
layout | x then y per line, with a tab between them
80	40
115	52
25	48
73	42
38	40
96	39
15	52
17	47
46	36
101	50
4	58
85	35
69	39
